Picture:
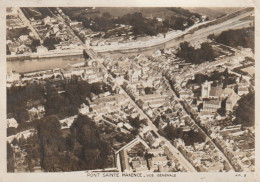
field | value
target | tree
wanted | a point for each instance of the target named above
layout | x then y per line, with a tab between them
49	42
35	43
10	160
245	112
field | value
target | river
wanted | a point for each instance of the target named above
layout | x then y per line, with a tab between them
31	65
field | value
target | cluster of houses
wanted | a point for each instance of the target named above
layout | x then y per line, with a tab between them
139	156
86	71
53	28
210	99
240	142
152	93
17	43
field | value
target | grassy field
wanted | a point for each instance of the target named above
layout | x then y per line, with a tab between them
161	12
147	12
212	12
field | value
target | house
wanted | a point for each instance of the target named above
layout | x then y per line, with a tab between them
133	76
33	113
12	77
231	101
36	112
242	91
23	38
84	109
227	92
12	123
41	49
155	161
215	92
73	23
67	122
156	152
128	126
205	89
186	94
139	165
211	105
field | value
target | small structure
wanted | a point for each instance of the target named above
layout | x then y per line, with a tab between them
12	123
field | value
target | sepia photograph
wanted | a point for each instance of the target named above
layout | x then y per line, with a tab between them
130	90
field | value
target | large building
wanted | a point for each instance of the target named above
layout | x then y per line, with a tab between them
211	105
205	90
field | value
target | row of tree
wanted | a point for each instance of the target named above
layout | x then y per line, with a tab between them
140	25
244	37
189	137
217	77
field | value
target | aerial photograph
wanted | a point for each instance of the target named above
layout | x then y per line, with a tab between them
130	89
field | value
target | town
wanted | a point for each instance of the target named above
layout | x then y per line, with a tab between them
187	106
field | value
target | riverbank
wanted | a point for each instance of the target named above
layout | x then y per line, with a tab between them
44	55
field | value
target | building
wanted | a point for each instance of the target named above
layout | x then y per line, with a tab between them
205	89
12	77
155	161
156	152
12	123
36	112
84	109
242	91
139	165
124	161
227	92
186	94
41	49
215	92
211	105
231	101
133	76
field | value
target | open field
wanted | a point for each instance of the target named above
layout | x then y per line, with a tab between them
213	12
36	13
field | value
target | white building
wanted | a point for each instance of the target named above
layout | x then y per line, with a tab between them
12	123
205	90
